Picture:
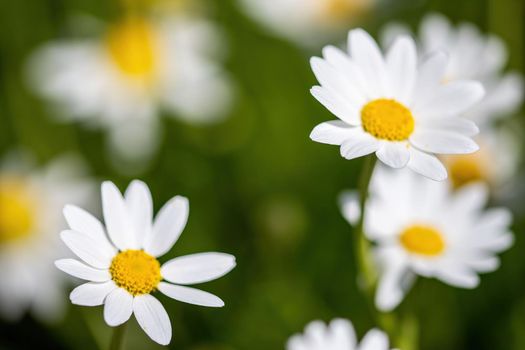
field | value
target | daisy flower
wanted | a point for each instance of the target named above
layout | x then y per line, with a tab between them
308	22
120	260
392	106
472	55
30	202
421	227
338	335
121	80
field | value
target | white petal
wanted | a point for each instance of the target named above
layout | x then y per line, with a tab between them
374	340
334	132
393	284
427	165
394	154
118	307
441	142
349	203
96	253
365	52
457	125
401	64
81	221
450	99
117	218
336	105
152	318
458	276
140	208
197	268
168	226
91	293
430	75
358	145
190	295
77	269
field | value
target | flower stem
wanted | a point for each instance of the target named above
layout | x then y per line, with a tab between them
117	339
366	272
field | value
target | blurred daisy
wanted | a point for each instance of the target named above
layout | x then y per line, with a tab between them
422	228
308	22
338	335
121	80
472	55
30	204
122	265
392	106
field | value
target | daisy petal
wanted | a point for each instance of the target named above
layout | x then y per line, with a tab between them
426	165
91	293
197	268
456	125
430	76
374	340
117	218
118	307
190	295
393	284
401	64
81	221
168	226
96	253
336	105
358	145
334	132
451	99
77	269
457	276
394	154
152	318
441	142
140	208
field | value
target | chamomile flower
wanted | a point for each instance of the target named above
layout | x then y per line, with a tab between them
473	55
338	335
422	228
30	203
308	22
121	80
392	105
120	259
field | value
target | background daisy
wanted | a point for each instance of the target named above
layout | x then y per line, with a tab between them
138	66
422	228
30	203
337	335
120	259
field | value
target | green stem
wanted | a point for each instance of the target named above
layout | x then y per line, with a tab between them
366	272
117	339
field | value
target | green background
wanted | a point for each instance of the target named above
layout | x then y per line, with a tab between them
259	189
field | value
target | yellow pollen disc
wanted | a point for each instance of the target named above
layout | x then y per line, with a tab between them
424	240
136	271
466	169
132	44
17	210
387	120
342	10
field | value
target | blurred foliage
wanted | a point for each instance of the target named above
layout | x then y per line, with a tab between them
259	189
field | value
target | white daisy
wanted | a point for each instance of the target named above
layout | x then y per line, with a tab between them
392	106
422	228
338	335
121	80
308	22
473	55
120	259
30	203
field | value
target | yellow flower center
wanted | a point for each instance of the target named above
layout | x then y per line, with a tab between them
387	120
423	240
136	271
132	44
342	10
17	210
465	169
